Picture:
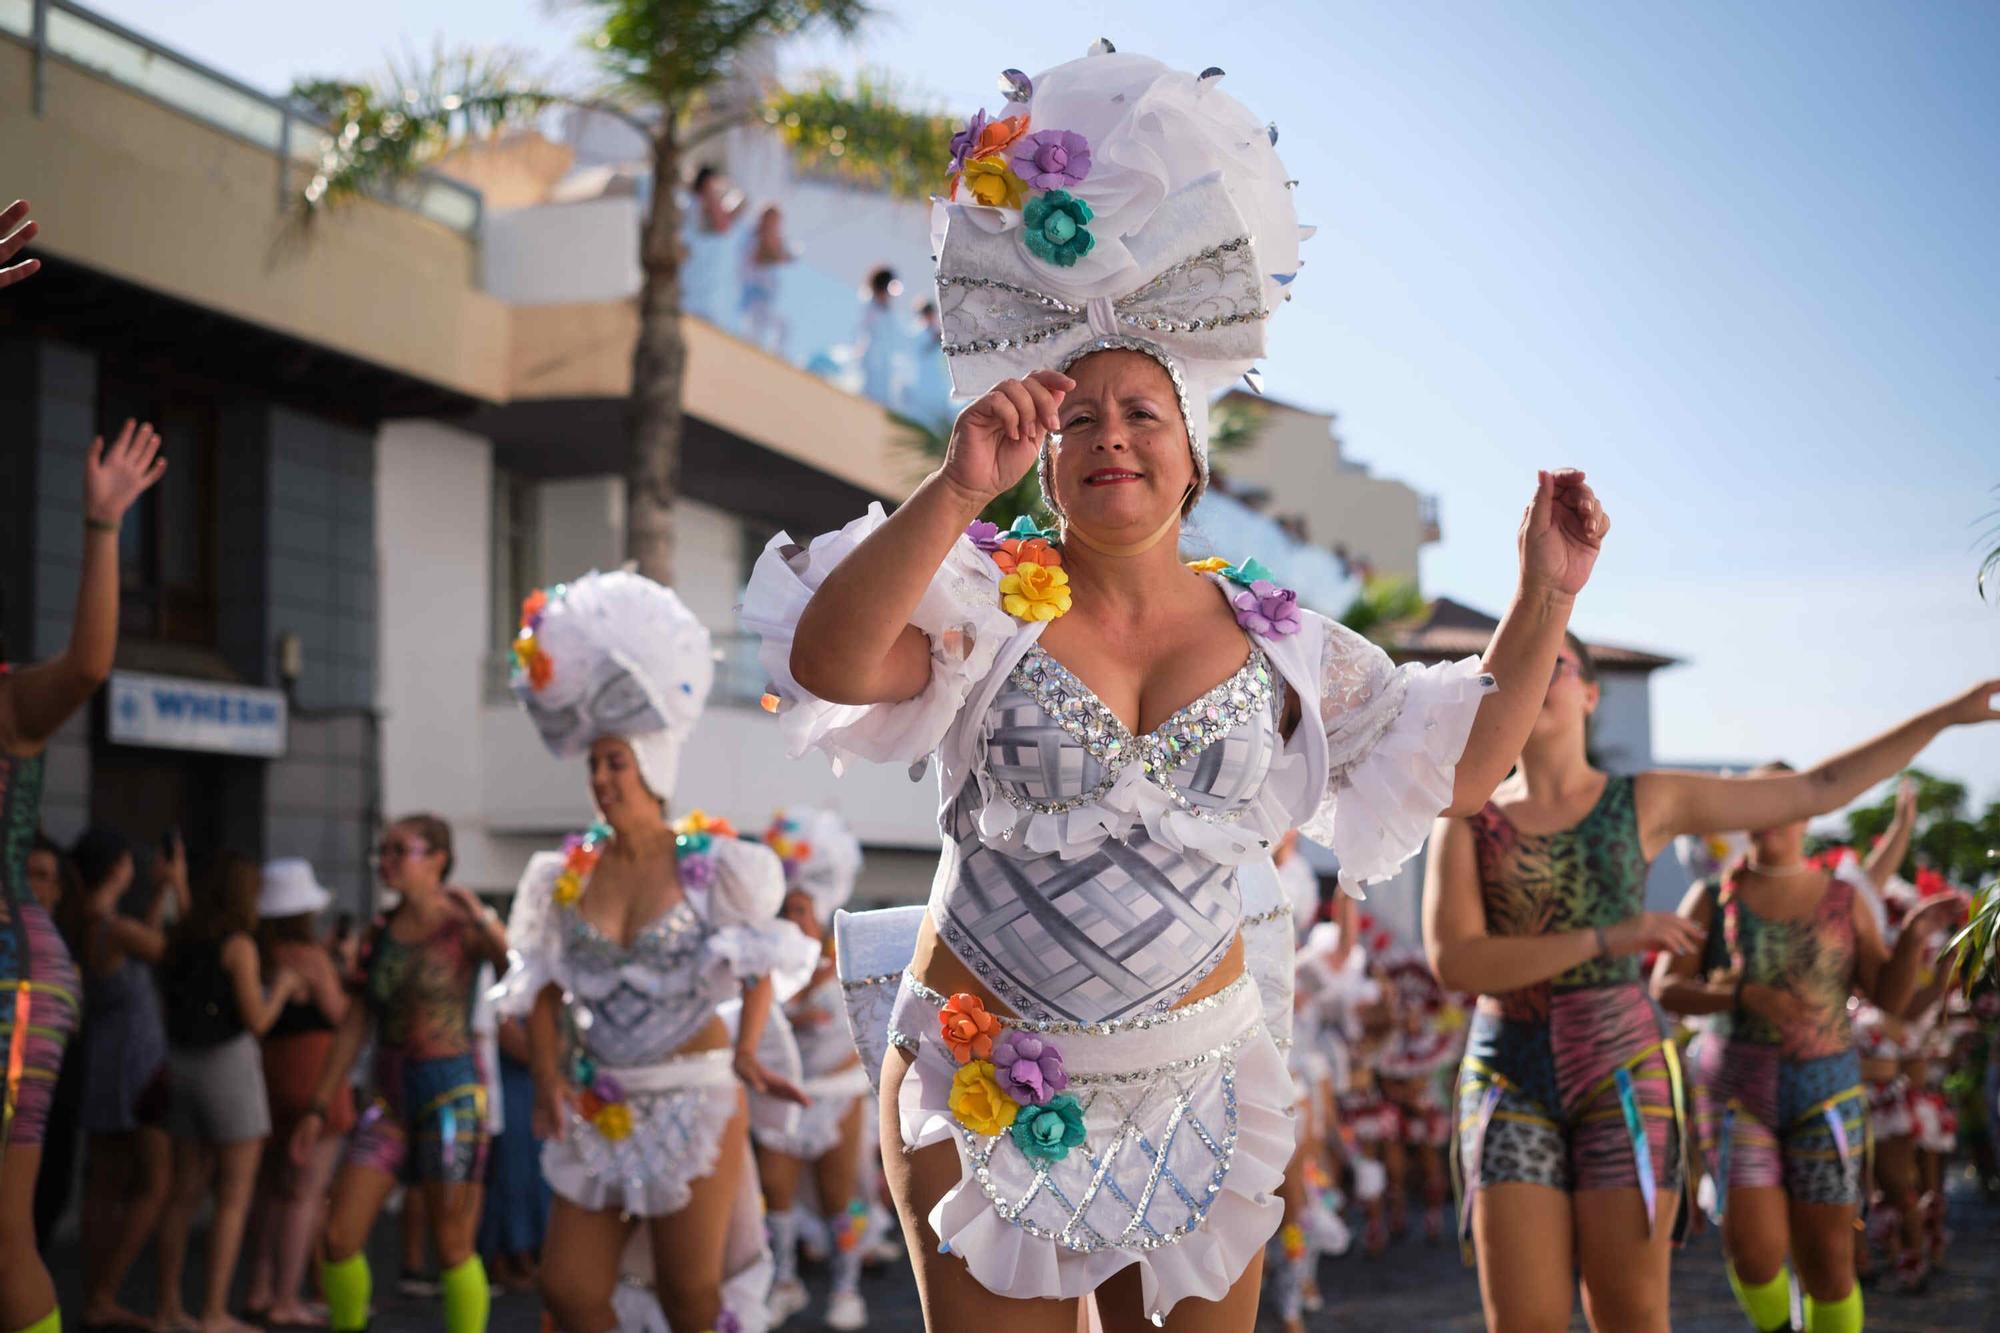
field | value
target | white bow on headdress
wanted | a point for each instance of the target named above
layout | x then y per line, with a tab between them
1196	292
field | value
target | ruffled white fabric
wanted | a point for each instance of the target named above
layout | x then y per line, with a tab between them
816	1129
676	1140
1394	736
1216	1066
960	613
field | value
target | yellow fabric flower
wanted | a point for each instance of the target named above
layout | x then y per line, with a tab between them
1035	592
1214	564
993	183
979	1102
568	888
613	1120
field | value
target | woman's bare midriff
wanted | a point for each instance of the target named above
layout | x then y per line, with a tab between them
938	967
713	1036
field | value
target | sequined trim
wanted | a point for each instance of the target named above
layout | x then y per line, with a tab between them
862	983
1110	1028
1275	914
1189	730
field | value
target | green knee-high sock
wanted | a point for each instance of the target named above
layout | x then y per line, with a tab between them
466	1297
1841	1316
348	1287
1769	1304
48	1323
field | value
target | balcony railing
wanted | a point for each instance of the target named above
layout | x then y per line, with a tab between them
66	32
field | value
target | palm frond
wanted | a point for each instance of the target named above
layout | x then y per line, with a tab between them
1989	568
1384	602
1234	425
382	135
863	130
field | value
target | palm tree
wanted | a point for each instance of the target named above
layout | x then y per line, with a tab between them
664	70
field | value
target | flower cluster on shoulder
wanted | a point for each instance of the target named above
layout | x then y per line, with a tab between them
1033	583
1261	606
694	845
1010	1083
580	853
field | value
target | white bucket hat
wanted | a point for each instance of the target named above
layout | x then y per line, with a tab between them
291	889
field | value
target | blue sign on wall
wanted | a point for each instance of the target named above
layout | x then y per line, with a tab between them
170	713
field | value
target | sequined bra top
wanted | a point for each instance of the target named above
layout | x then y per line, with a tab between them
637	1004
1063	927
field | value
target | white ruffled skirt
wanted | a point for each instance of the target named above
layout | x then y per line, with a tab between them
816	1129
679	1109
1188	1122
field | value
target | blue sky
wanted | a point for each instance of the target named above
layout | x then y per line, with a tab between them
1738	261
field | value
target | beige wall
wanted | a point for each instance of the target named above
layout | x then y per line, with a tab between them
1298	460
137	190
584	350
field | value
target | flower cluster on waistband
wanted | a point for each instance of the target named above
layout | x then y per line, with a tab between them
694	844
529	659
601	1100
1007	164
1009	1082
580	853
783	838
853	1227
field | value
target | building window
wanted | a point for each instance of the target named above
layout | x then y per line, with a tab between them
166	549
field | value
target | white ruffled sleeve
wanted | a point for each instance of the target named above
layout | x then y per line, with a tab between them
534	945
960	613
740	903
1394	735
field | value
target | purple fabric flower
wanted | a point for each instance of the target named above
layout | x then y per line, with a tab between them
698	869
963	142
1028	1067
1265	608
986	536
1052	159
727	1322
607	1088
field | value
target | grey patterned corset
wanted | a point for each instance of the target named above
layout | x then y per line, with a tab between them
1134	924
638	1005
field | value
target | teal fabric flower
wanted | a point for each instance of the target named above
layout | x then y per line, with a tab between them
1249	572
1026	529
1049	1131
1056	228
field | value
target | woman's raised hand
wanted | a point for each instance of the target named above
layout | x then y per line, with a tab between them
996	440
1561	532
116	476
1975	705
1655	932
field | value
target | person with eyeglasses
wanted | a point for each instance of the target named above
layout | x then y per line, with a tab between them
1574	1143
424	1122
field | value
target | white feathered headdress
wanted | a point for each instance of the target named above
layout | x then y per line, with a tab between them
1116	203
822	857
613	655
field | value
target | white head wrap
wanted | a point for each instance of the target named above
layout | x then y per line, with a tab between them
822	857
614	655
1184	242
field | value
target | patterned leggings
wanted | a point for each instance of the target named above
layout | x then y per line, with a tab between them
38	1016
1589	1100
1799	1125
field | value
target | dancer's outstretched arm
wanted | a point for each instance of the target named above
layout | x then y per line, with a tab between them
1466	958
1562	530
1672	803
1894	844
44	695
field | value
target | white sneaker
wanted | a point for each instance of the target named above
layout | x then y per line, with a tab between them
787	1299
846	1311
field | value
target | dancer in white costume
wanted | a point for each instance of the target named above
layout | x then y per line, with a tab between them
1082	1094
630	940
822	860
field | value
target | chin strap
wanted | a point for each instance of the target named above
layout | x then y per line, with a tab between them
1071	532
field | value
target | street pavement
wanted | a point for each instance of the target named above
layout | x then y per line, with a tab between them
1415	1286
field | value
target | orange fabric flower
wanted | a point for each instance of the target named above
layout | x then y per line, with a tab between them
967	1028
533	605
1016	551
999	136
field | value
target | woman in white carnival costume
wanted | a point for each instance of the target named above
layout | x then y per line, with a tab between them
822	860
623	947
1081	1093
